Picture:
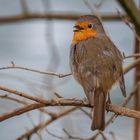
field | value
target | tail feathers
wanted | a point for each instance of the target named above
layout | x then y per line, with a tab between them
98	121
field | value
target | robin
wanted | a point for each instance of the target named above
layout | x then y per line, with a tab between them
96	64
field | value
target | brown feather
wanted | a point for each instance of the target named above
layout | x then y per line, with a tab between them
98	121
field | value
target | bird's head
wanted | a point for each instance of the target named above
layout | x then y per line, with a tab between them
86	27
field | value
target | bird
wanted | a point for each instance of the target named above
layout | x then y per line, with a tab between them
96	64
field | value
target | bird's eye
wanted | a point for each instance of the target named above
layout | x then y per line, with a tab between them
89	25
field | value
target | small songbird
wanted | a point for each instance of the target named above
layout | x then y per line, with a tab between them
96	64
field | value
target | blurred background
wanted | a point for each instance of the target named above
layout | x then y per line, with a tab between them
44	45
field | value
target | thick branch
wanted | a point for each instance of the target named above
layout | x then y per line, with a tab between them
124	111
69	102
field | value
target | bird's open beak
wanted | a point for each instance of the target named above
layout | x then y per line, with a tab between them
77	28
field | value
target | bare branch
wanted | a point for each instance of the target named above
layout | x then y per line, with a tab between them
122	111
89	6
22	94
126	20
19	111
85	112
36	71
113	135
67	102
73	137
131	66
126	69
131	56
131	9
50	16
45	123
103	136
54	135
6	96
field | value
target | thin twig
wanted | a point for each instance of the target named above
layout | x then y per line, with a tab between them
36	71
24	7
7	96
128	68
103	136
22	94
131	56
69	136
131	9
45	123
127	22
19	111
31	121
54	135
113	135
73	137
89	6
85	112
131	66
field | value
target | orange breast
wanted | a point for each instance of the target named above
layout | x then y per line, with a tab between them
83	35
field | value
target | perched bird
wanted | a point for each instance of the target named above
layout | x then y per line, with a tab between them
96	64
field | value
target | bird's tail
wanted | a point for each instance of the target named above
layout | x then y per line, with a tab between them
98	121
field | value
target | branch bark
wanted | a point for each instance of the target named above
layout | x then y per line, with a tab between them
68	102
123	111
